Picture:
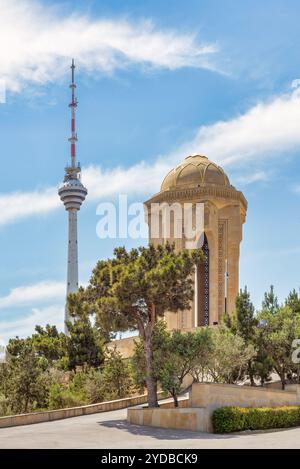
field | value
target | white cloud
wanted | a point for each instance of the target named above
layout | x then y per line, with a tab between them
263	132
295	83
19	205
24	326
30	294
252	177
37	42
141	178
138	179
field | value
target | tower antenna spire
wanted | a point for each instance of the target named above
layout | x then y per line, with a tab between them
73	106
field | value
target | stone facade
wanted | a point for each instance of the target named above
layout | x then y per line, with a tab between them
199	181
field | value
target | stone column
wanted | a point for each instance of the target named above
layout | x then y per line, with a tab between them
234	239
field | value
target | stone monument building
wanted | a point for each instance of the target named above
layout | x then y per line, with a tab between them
197	180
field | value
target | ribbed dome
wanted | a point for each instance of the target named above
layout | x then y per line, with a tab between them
195	171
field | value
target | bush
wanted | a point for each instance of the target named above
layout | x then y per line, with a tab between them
234	419
117	380
60	398
94	387
4	406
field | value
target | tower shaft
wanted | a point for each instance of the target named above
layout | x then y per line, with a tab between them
72	273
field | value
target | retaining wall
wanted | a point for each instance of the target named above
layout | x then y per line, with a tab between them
48	416
219	395
204	399
180	418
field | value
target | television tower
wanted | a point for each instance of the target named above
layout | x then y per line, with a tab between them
72	193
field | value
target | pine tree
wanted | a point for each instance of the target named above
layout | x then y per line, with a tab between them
270	302
117	379
135	288
85	344
293	301
244	324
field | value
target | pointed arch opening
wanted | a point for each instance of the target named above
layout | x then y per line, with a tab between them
203	287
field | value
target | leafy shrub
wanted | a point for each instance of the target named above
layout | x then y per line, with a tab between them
117	380
4	406
60	398
233	419
77	383
94	387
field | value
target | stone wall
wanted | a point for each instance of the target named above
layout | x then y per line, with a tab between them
124	346
278	385
219	395
204	399
183	403
48	416
182	418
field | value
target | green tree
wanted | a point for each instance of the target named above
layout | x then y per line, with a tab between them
85	344
159	352
94	388
278	332
134	288
244	323
230	356
270	302
293	301
61	397
46	342
262	364
117	381
245	316
21	380
49	343
185	351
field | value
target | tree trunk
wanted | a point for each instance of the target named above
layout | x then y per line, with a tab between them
26	404
250	373
174	395
281	373
282	377
150	381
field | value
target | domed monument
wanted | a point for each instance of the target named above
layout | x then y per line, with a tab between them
198	182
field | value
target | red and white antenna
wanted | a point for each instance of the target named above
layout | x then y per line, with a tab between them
73	106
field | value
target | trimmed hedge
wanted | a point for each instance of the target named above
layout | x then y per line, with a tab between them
236	419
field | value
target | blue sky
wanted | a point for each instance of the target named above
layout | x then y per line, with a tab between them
156	81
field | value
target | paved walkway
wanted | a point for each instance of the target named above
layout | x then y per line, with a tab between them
111	430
